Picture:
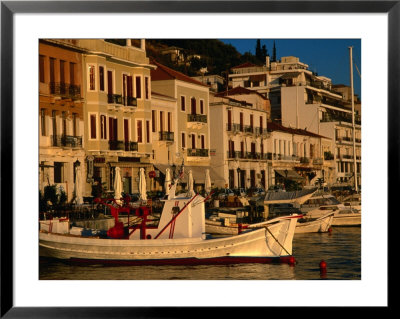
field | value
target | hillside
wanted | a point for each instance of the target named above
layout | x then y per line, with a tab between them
214	54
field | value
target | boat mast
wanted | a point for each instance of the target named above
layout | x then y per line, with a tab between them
353	120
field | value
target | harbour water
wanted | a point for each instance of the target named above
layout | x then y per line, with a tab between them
340	249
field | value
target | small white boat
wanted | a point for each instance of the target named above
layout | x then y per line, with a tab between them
343	216
319	225
178	238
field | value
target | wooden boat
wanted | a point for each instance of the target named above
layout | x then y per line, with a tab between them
178	238
318	225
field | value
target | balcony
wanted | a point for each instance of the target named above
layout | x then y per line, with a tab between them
65	90
197	152
233	128
114	98
166	136
304	160
66	141
200	118
127	146
280	157
253	155
248	129
318	161
328	156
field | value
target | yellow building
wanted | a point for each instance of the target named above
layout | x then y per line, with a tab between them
117	116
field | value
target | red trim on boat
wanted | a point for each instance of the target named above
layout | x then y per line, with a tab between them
187	261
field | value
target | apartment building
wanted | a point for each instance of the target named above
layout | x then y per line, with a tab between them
239	118
192	130
61	125
303	100
117	114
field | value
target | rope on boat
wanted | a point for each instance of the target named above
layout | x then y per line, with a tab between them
267	229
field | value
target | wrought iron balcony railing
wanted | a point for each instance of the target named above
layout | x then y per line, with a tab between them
197	118
66	141
128	146
166	136
65	90
198	152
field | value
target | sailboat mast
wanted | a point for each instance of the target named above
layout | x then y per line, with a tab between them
353	120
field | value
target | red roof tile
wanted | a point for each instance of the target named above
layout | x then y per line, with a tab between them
238	91
165	73
273	126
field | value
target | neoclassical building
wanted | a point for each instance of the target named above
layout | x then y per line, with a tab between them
239	120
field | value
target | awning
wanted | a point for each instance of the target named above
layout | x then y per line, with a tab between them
292	175
199	173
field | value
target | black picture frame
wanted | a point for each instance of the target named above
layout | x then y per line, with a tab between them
9	8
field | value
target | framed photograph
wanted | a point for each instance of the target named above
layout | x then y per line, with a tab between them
26	291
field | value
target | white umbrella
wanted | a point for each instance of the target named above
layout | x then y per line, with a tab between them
207	181
167	183
117	184
190	182
142	184
78	186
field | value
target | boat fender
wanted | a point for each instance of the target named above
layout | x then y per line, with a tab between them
240	228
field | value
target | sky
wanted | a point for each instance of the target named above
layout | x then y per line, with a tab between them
327	57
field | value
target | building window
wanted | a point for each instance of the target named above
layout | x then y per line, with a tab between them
201	107
110	90
58	172
62	76
52	75
146	88
183	103
103	127
75	124
43	121
139	131
169	121
101	78
138	88
112	129
183	141
64	123
203	145
93	126
193	105
41	68
161	121
153	120
72	73
54	120
92	78
147	131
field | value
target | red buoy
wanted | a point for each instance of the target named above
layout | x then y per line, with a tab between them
322	265
330	229
291	261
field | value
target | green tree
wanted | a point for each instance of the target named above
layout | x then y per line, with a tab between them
274	53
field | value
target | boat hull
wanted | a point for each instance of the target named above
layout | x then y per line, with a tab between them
350	220
250	246
320	225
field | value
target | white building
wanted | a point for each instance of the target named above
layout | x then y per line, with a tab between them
239	130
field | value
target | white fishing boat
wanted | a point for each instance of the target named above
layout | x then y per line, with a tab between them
318	225
178	237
